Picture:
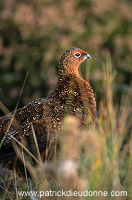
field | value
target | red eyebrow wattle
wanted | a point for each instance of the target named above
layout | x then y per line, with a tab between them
77	51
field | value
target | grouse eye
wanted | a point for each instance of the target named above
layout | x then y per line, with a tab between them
77	55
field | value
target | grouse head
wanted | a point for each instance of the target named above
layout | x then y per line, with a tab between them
71	60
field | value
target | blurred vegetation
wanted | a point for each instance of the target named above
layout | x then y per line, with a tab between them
34	34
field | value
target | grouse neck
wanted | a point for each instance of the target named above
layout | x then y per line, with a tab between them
67	77
68	69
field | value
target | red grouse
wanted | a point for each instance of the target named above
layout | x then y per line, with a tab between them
72	96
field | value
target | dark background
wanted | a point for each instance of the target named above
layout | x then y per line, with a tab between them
33	35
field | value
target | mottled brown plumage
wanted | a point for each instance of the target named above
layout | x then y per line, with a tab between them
72	96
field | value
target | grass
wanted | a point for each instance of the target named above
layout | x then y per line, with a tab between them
96	159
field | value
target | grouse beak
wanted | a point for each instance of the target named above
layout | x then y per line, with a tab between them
86	56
